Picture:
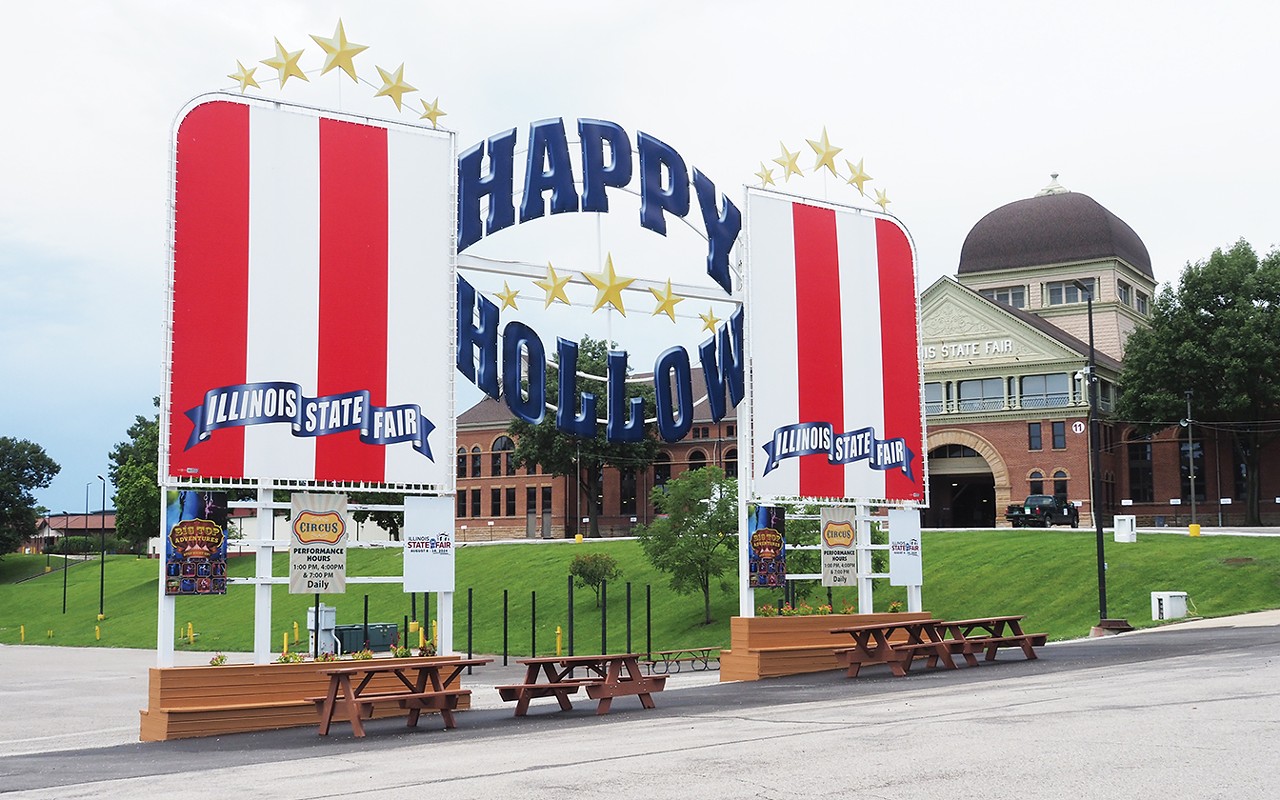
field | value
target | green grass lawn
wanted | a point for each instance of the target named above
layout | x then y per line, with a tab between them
1050	576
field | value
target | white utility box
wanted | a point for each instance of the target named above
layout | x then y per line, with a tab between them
1126	528
326	634
1168	605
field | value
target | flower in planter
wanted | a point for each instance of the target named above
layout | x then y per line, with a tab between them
427	649
400	651
218	659
767	610
787	610
362	655
895	606
290	658
327	657
824	609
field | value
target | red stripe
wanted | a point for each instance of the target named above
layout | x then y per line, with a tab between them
819	366
210	281
900	344
353	287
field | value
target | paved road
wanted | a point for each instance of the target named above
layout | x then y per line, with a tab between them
1187	711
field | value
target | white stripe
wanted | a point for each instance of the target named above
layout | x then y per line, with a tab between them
862	359
420	284
284	279
771	331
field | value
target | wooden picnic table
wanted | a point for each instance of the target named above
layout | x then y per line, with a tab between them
989	634
423	684
668	661
872	645
603	677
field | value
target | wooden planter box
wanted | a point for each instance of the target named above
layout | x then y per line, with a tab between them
185	702
767	647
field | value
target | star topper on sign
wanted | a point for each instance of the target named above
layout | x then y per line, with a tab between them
825	154
339	53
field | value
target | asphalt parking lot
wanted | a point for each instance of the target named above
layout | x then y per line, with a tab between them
1187	711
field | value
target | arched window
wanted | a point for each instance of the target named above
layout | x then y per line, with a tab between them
462	462
1036	479
1059	483
731	463
503	446
697	459
475	463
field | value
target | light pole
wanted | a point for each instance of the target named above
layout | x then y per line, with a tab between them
66	527
102	553
1191	457
1093	455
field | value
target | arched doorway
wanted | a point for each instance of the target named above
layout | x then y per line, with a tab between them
968	482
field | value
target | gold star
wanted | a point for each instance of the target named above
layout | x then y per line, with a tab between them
244	76
788	162
666	301
765	175
857	175
825	152
508	296
285	64
432	111
554	285
393	85
710	320
338	52
882	200
608	286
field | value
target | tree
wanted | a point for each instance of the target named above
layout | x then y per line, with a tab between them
695	540
24	466
134	473
1217	334
558	453
389	521
593	569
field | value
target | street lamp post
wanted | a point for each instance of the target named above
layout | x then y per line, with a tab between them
102	553
66	527
1191	458
1093	454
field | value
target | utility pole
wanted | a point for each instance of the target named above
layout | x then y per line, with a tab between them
1191	457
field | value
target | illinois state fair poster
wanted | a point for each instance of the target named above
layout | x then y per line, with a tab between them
195	549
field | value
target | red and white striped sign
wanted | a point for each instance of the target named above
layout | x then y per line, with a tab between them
312	293
833	340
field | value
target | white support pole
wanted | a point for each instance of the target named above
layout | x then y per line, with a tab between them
915	601
444	623
746	595
262	571
862	528
166	602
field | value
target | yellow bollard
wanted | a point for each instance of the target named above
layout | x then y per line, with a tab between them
435	633
22	633
413	625
101	617
558	638
286	644
295	632
578	538
50	633
1194	529
97	632
422	637
191	633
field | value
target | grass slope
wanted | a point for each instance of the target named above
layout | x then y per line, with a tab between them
1048	575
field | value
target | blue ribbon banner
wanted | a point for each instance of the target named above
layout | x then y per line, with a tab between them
280	401
811	438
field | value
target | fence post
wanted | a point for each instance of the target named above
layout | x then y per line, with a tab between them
648	622
505	649
629	617
570	615
604	616
469	648
366	621
533	624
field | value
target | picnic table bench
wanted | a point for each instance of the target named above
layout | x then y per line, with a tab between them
873	644
989	634
428	688
606	677
665	660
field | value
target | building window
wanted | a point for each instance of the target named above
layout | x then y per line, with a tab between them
1036	482
475	502
475	461
982	395
731	463
546	499
730	431
1034	440
1015	296
661	470
510	497
1059	435
627	492
697	460
1104	395
933	396
1066	292
495	502
503	447
1059	483
954	451
1142	303
1124	293
462	462
462	503
697	432
1045	391
1141	481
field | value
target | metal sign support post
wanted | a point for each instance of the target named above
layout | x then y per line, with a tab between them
165	607
262	575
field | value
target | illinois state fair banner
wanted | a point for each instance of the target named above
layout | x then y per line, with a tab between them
195	549
833	335
312	282
318	544
836	536
906	567
428	544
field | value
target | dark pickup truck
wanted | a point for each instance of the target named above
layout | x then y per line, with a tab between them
1041	511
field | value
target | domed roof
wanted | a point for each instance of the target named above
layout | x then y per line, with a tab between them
1054	227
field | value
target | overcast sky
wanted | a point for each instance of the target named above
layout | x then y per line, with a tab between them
1164	112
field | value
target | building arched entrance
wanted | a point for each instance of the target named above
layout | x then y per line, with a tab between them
968	482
